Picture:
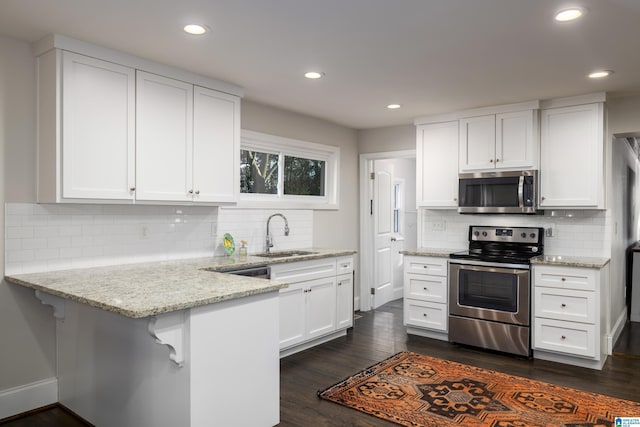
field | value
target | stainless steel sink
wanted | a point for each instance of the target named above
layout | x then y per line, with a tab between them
283	254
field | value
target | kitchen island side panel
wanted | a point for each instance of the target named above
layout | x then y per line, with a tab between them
111	372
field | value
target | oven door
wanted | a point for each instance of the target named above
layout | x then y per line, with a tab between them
489	292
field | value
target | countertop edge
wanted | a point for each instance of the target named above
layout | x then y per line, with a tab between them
580	262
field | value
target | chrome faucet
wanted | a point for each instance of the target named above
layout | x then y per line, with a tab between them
286	229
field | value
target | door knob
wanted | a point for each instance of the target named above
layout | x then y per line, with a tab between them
393	239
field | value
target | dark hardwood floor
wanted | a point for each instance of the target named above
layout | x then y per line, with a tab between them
380	334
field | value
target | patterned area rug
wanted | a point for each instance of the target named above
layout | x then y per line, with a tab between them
415	390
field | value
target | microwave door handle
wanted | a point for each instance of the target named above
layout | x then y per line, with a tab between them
521	191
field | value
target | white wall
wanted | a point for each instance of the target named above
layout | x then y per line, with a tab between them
624	117
26	326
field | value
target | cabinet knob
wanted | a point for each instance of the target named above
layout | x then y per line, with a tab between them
424	314
132	189
425	288
455	199
197	191
563	305
345	265
190	191
563	279
542	198
497	160
563	337
491	161
425	266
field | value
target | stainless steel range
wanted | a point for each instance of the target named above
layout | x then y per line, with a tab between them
490	288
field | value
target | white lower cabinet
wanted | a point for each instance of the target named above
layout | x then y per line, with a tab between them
318	304
425	296
569	312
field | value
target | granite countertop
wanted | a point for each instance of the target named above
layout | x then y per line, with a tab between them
142	290
434	252
570	261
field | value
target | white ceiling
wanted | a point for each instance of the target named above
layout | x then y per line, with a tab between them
430	56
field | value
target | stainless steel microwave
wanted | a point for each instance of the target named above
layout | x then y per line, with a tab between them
506	192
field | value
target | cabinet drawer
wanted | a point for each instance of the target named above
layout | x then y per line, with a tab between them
426	265
344	265
566	278
565	304
425	314
304	270
577	339
425	287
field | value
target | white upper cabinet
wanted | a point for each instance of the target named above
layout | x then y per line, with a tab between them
112	129
571	157
164	139
216	146
499	141
437	165
86	151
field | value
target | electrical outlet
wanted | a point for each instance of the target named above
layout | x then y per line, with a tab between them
439	225
549	231
144	231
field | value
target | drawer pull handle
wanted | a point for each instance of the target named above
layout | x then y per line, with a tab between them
345	265
563	279
425	266
563	305
425	288
563	337
424	314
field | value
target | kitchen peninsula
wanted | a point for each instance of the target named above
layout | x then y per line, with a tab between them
171	343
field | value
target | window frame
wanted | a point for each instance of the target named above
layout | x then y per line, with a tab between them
257	141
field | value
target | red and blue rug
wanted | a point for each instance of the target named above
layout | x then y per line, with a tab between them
415	390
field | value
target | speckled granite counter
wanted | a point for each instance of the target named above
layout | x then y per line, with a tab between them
142	290
570	261
434	252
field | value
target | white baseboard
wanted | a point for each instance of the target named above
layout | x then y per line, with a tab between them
356	303
615	332
26	397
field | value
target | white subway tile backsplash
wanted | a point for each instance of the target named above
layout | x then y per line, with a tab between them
577	233
78	236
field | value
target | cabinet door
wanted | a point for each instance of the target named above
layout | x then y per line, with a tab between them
344	302
216	146
571	157
292	315
516	140
477	143
321	306
98	129
164	138
437	165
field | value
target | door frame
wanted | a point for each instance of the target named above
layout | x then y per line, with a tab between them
366	224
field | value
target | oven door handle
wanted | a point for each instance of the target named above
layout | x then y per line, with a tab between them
521	191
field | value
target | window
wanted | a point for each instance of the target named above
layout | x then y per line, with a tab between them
287	173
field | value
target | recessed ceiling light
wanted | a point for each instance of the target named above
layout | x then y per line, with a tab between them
195	29
570	14
600	74
313	74
393	106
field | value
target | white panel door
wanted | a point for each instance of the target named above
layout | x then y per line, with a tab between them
292	314
216	146
344	303
437	165
164	139
321	306
383	229
98	129
477	143
516	145
571	157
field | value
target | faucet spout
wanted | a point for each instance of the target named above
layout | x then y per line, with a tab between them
269	242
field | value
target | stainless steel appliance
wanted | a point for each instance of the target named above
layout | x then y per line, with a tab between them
498	192
259	271
490	288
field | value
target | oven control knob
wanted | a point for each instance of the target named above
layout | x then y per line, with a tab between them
523	235
484	234
532	235
476	233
